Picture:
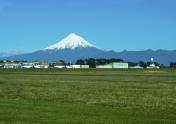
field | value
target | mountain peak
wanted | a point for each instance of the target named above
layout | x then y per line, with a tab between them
73	35
72	41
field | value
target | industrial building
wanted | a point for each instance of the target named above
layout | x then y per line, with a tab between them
104	66
120	65
72	66
78	66
12	65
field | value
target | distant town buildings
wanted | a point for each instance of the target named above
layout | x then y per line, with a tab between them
81	64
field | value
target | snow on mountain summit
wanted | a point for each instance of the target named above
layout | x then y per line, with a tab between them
72	41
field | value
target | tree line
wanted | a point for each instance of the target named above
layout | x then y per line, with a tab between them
93	62
173	64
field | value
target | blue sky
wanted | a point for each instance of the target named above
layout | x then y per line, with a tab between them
29	25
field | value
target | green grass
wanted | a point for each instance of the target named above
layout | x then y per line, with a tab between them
87	96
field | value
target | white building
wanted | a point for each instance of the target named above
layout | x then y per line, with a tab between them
85	66
27	65
41	66
75	66
12	65
120	65
104	66
59	66
68	66
152	65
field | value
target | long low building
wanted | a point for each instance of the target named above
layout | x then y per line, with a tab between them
12	65
104	66
79	66
71	66
41	66
119	65
27	65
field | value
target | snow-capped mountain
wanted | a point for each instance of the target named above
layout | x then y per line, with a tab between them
74	47
72	41
69	49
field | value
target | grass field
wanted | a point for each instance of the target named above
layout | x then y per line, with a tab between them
87	96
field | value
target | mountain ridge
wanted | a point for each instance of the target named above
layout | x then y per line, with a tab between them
74	47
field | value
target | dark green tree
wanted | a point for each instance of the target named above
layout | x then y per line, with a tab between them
173	65
91	62
143	64
80	62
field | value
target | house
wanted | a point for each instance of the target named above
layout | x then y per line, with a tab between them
152	65
27	65
41	65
